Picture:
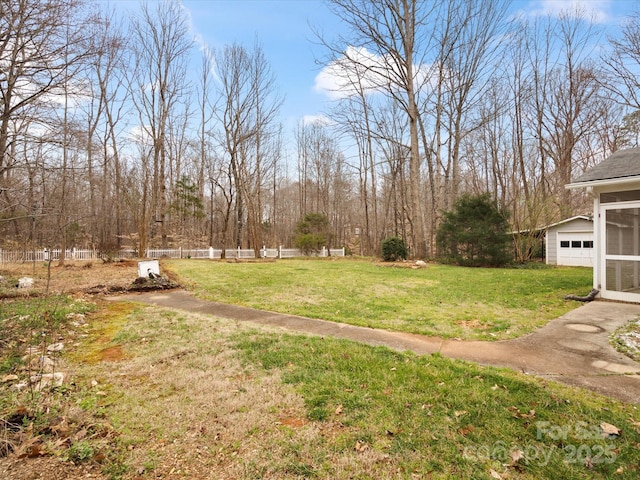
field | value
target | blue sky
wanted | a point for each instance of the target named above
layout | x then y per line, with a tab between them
284	28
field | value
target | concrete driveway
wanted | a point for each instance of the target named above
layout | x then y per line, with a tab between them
573	349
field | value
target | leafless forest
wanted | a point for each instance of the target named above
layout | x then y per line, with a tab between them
109	137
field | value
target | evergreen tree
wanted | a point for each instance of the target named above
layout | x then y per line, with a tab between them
474	233
312	233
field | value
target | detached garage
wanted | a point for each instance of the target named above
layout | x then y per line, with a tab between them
570	242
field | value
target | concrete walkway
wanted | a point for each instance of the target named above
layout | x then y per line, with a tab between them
572	349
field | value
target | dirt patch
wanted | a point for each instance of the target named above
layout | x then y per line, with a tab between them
93	278
112	354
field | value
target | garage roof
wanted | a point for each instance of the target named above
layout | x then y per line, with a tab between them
588	218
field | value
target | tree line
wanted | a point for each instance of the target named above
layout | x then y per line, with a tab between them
109	138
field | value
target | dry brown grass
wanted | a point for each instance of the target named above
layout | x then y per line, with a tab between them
73	277
185	406
188	407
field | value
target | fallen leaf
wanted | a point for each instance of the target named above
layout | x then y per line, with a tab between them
516	411
459	413
31	448
516	456
361	446
609	431
338	410
466	430
494	474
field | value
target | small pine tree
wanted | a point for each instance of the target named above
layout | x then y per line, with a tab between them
474	233
394	248
312	233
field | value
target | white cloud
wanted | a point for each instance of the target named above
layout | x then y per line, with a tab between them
319	119
356	69
360	69
140	134
595	10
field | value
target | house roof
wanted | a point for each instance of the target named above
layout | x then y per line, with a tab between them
621	166
588	218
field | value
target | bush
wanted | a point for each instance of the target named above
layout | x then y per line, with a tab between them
394	248
474	233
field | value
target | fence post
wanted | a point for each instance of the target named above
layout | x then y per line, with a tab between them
210	253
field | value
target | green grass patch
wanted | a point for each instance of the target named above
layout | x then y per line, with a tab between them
32	322
441	300
432	417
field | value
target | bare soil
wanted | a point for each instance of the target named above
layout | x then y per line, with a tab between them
77	277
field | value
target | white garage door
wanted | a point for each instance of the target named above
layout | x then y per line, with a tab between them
575	249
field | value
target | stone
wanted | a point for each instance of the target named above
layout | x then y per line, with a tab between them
25	282
47	379
55	347
42	363
421	263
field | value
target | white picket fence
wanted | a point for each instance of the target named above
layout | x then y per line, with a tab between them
43	255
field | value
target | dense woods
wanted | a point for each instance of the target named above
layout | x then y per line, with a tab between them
121	131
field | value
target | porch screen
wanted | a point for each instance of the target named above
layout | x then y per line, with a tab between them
623	250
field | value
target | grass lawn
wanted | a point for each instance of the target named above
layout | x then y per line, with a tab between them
440	300
158	393
194	396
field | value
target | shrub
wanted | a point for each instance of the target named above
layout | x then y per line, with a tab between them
474	233
394	248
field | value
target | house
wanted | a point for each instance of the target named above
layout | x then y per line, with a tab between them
614	185
570	242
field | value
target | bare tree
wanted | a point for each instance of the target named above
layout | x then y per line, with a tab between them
355	115
105	109
249	105
396	38
567	100
622	65
159	87
39	55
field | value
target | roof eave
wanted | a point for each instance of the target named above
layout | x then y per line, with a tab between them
603	183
